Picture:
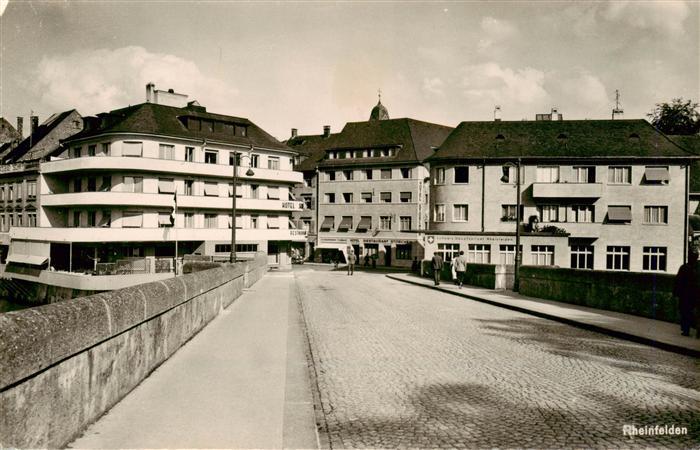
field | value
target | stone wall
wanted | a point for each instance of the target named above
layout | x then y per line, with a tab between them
491	276
65	364
642	294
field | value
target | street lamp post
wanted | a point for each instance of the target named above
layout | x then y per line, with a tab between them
516	263
249	172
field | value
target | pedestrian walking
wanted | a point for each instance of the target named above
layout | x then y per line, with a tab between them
687	288
436	263
460	265
374	260
351	262
366	259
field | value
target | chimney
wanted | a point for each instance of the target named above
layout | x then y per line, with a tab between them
150	87
326	131
556	115
497	113
294	133
34	123
20	126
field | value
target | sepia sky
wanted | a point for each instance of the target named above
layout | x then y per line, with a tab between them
309	64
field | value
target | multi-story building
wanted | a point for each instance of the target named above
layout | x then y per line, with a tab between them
594	194
311	150
373	190
140	182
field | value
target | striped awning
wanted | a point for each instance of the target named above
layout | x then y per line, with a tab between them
32	260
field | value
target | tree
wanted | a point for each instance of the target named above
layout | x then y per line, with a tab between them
677	117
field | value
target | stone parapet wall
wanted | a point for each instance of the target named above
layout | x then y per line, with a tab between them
65	364
642	294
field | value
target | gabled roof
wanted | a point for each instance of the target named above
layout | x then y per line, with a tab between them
312	147
37	146
416	140
152	118
690	143
557	139
8	133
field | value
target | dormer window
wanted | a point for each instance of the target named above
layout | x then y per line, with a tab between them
562	138
634	137
500	138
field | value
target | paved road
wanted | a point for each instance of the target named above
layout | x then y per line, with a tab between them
404	366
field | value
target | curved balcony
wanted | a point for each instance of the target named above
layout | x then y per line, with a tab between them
140	164
153	234
77	199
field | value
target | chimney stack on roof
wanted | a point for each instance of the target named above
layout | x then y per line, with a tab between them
33	123
150	87
497	113
20	126
326	131
294	133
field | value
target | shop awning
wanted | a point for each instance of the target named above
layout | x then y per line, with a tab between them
620	213
327	223
32	260
365	224
345	224
656	174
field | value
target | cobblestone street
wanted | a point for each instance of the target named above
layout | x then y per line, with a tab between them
403	366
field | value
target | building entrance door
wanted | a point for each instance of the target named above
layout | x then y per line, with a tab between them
387	255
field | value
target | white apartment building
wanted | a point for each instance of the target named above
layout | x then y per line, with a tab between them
594	194
140	181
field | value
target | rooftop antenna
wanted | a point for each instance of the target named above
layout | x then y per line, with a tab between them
617	111
379	94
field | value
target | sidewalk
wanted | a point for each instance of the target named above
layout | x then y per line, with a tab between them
657	333
242	382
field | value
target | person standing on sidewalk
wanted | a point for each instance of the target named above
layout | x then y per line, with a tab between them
436	264
351	261
687	288
460	265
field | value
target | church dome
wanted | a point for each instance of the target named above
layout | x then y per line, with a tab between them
379	112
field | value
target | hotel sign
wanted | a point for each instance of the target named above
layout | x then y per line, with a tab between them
292	205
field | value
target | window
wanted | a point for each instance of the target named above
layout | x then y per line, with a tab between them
273	222
189	187
133	184
273	193
366	197
656	175
223	248
254	161
2	192
166	151
347	174
211	156
548	213
243	248
211	189
273	163
132	148
386	174
12	221
385	197
189	220
385	222
132	219
241	130
11	189
654	259
656	215
405	172
210	220
328	223
618	257
365	223
619	214
330	197
368	174
330	176
106	185
254	222
345	223
166	186
406	197
31	190
92	150
584	174
106	219
77	152
405	222
448	251
439	213
439	175
479	253
403	251
542	255
460	213
234	158
461	174
254	191
506	253
208	126
582	213
19	191
619	175
31	219
548	174
582	257
347	197
104	149
92	184
509	175
308	201
164	220
189	154
509	213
